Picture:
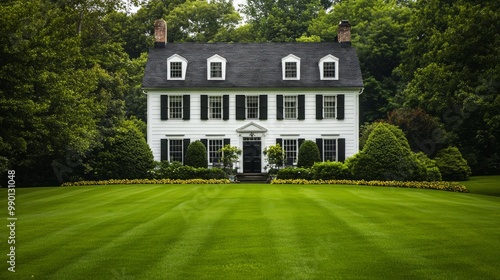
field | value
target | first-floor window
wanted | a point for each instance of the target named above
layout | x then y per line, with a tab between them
214	146
290	146
330	149
215	107
175	150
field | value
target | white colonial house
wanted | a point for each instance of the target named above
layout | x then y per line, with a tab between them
253	95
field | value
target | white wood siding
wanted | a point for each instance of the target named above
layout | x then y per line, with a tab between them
309	129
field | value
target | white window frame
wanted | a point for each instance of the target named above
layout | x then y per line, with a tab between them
290	58
171	110
296	108
222	61
286	151
325	150
247	107
211	151
328	58
325	97
182	60
211	108
170	149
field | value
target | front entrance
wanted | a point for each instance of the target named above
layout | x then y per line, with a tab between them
252	160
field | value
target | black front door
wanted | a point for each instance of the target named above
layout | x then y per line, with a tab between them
251	155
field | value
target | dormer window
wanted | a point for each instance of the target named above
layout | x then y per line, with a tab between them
216	68
291	67
176	67
329	68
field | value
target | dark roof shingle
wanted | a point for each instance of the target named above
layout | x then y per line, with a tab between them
252	65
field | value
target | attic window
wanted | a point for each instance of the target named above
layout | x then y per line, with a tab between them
216	68
329	68
176	67
291	67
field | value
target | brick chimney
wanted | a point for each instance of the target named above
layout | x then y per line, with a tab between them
160	33
344	33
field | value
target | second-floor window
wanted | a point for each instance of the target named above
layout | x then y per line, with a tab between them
216	68
328	107
252	107
290	107
215	107
175	107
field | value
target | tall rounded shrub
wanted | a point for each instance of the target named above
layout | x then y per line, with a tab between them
452	165
196	155
385	156
308	154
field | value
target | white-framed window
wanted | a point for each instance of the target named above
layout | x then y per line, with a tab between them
290	147
290	106
330	149
175	150
329	106
329	68
290	67
216	68
252	105
175	107
215	107
176	67
214	146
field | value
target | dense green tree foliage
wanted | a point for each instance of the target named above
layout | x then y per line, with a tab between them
452	165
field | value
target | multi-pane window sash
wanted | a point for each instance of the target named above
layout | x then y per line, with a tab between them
330	149
290	107
215	70
252	107
329	70
175	70
290	69
214	145
290	148
175	150
215	107
329	107
175	105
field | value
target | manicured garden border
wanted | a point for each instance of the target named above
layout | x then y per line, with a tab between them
147	181
437	185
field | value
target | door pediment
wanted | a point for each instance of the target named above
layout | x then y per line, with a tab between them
251	128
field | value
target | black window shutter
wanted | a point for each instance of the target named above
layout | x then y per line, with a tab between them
164	150
227	141
279	107
240	107
302	107
263	107
319	143
186	110
205	142
225	107
204	107
319	107
341	149
301	140
185	145
279	141
340	106
164	107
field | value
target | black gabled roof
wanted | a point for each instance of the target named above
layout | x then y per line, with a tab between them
252	65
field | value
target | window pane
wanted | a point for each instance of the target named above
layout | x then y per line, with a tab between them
252	107
330	149
290	69
215	70
290	148
175	69
213	150
215	107
290	107
329	107
175	107
328	69
175	150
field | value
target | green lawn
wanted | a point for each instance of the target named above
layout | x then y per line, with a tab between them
253	232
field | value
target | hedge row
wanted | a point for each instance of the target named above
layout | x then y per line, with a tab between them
148	181
437	185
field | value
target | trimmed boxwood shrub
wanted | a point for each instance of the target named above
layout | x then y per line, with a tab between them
330	171
177	171
308	154
294	173
196	155
452	165
385	156
427	169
